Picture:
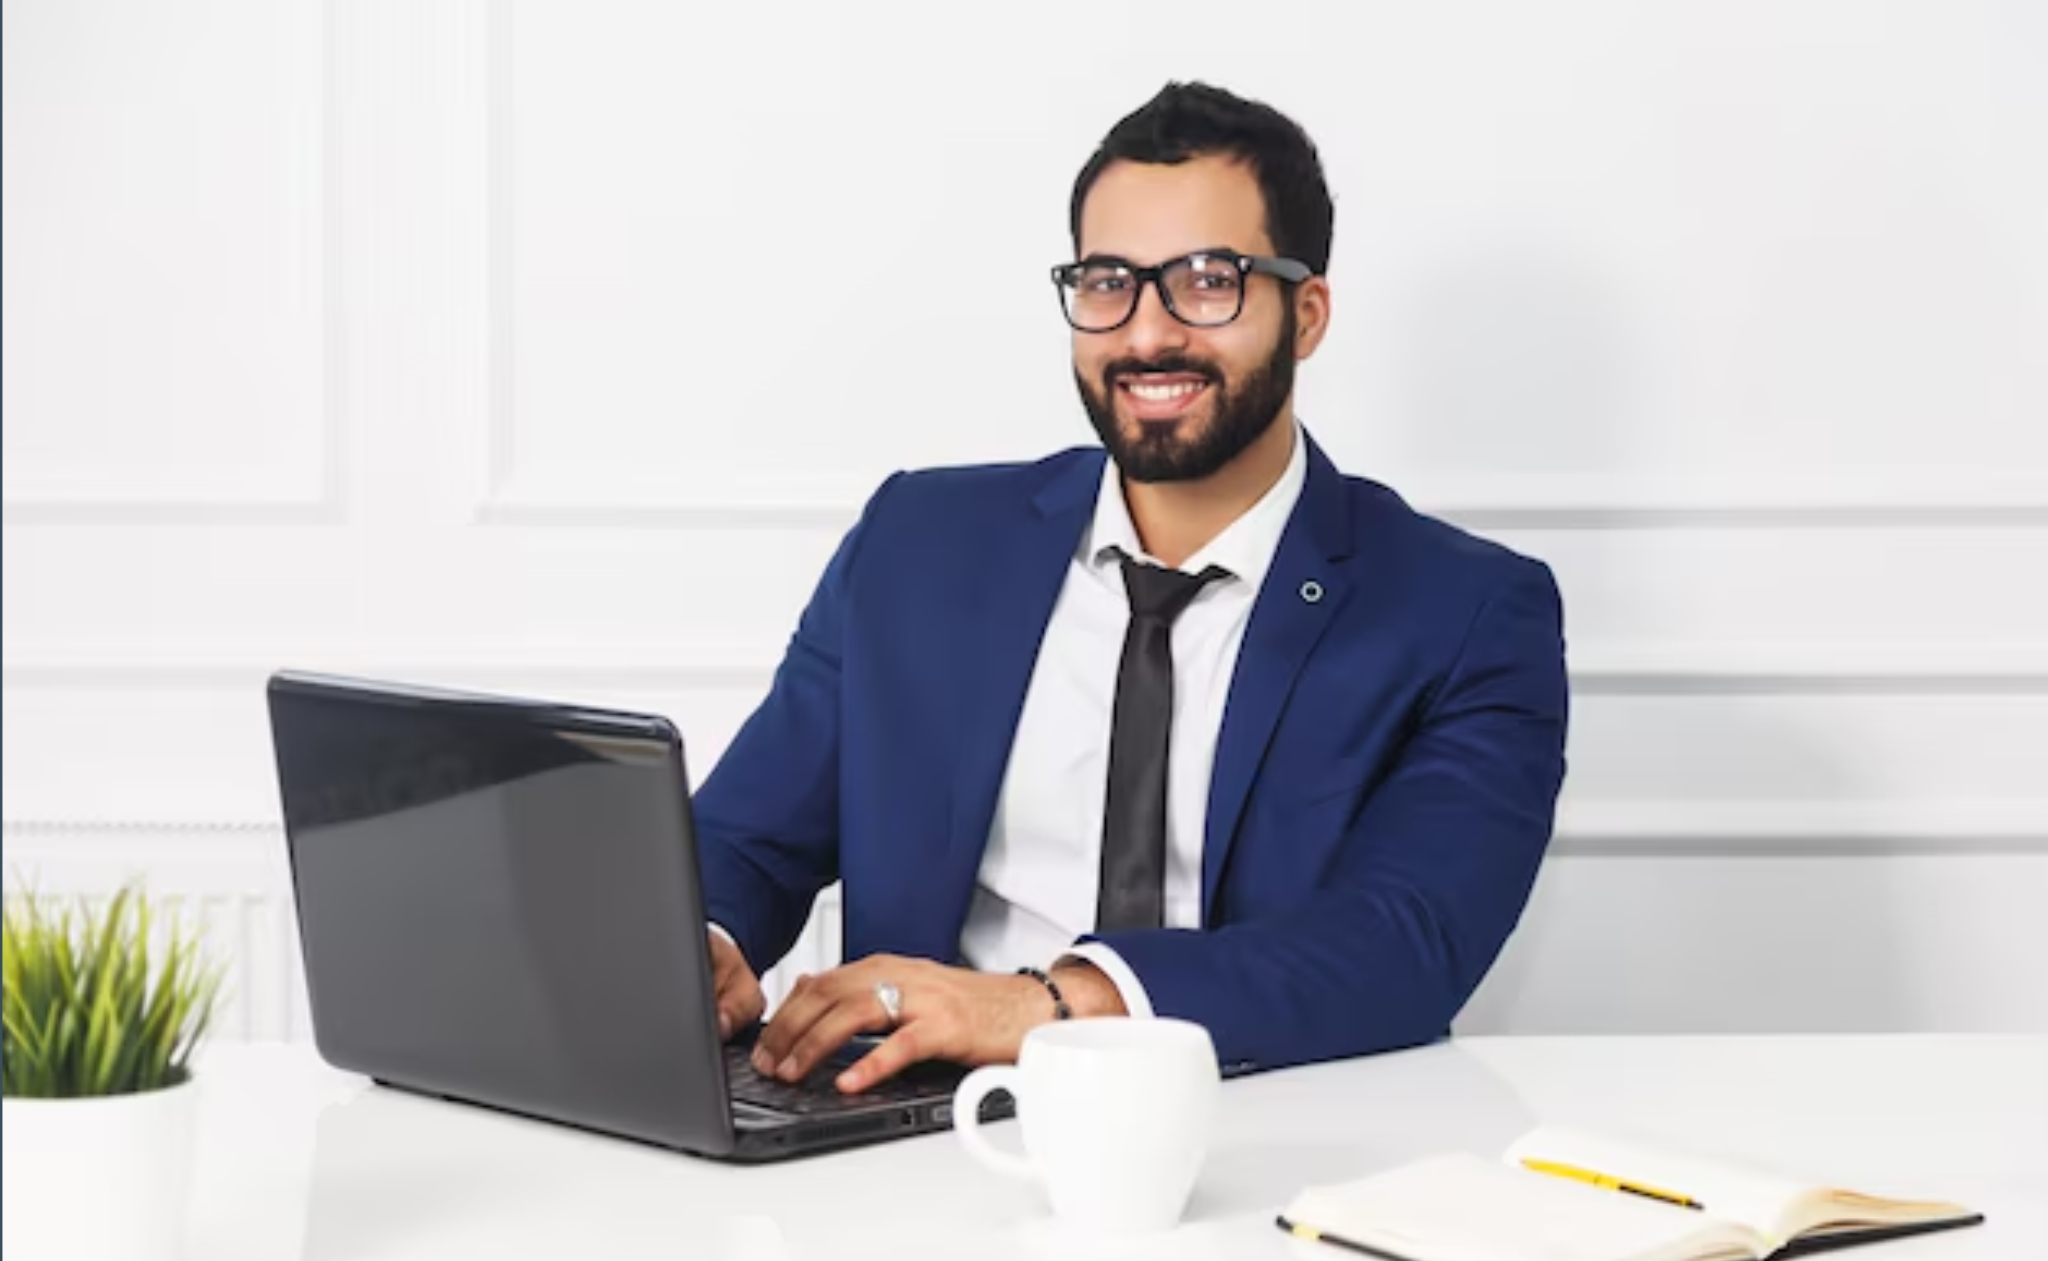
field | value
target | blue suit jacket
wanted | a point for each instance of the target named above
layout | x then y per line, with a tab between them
1384	784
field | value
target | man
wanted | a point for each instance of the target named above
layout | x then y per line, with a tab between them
1201	729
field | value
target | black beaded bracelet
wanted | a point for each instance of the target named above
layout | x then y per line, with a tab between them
1060	1010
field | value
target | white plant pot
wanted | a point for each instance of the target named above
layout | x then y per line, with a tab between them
99	1178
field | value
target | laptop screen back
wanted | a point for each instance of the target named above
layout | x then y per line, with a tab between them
499	903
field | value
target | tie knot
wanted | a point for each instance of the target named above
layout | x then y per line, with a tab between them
1162	593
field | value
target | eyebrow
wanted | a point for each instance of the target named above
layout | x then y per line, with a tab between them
1120	260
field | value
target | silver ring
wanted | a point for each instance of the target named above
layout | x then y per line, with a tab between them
891	999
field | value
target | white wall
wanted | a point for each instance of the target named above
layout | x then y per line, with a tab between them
550	346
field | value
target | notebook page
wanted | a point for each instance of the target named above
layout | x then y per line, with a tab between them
1460	1207
1734	1192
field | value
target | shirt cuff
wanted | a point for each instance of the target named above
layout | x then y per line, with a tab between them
720	930
1112	965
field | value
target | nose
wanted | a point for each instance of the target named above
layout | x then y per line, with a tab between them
1152	329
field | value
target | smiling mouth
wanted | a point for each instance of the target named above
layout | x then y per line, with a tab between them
1161	396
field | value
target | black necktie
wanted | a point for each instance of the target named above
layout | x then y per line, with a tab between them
1132	893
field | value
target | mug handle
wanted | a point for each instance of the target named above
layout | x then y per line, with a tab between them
975	1087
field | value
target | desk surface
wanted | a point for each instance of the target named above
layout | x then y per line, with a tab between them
297	1160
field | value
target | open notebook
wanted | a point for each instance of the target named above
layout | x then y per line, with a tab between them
1561	1195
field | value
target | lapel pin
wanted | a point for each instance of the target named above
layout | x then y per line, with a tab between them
1311	591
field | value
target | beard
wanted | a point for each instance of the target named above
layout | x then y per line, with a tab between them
1240	412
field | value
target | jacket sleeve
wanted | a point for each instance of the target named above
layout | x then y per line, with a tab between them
1426	885
767	816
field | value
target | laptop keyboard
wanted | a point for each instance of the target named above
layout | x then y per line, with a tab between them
816	1094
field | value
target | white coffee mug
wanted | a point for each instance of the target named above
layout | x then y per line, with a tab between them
1115	1115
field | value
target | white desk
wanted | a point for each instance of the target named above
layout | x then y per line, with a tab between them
296	1160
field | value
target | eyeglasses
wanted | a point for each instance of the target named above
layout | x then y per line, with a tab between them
1204	289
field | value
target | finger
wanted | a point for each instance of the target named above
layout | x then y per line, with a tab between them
749	1003
740	1005
897	1052
853	1010
805	1003
731	1013
793	1017
726	989
738	992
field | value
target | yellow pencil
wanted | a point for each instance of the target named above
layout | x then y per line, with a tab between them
1611	1183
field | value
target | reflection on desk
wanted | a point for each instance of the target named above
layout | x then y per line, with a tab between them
296	1160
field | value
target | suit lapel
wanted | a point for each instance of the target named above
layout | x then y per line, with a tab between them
1000	634
1303	591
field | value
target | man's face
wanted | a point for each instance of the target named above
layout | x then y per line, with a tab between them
1172	402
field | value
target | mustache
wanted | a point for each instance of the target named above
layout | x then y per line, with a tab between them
1117	369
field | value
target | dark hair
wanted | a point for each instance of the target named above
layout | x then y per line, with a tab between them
1192	120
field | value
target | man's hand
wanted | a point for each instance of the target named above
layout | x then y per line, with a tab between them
739	994
953	1014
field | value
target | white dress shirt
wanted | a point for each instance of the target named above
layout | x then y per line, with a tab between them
1037	885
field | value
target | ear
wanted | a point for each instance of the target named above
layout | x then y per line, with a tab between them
1311	315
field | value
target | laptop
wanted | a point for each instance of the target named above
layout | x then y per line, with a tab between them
499	904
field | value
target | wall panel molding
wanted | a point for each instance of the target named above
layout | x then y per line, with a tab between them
233	873
212	494
618	493
1828	829
1918	669
1536	502
1654	829
230	878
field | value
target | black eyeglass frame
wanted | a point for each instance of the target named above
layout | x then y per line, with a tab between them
1067	275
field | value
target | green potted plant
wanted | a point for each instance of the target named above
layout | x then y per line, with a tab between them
102	1014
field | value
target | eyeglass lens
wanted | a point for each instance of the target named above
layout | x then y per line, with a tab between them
1200	289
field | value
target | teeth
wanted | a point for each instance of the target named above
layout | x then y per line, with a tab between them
1161	393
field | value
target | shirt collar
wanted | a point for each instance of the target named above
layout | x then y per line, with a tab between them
1245	547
